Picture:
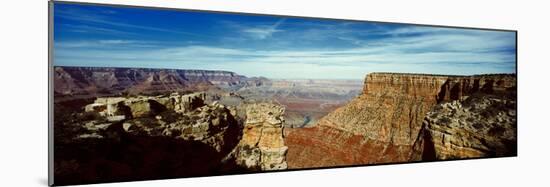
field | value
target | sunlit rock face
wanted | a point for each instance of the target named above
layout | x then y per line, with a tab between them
146	106
262	146
179	116
385	123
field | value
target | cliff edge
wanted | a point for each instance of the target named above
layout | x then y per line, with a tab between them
385	123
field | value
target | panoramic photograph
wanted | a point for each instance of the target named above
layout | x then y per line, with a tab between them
147	93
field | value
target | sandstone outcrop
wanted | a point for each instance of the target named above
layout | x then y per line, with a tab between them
383	124
209	124
187	102
262	146
144	106
178	116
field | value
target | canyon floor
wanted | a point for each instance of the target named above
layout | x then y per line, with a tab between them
120	124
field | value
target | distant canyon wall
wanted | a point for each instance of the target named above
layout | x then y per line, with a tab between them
385	123
95	81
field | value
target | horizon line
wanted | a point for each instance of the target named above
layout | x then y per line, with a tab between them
295	78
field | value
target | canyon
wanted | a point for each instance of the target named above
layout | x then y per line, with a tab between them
119	124
305	100
387	122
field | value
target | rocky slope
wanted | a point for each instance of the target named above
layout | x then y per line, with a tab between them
384	123
472	127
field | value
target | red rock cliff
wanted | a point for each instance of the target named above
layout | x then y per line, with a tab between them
383	123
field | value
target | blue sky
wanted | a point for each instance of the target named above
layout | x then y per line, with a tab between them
273	47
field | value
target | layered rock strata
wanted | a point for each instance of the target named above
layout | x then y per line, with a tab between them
98	81
383	124
144	106
262	146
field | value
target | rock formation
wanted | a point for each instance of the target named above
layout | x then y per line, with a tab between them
384	123
472	127
262	146
143	106
151	137
179	116
209	124
146	143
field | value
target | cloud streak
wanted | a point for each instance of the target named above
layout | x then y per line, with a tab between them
84	16
282	48
262	32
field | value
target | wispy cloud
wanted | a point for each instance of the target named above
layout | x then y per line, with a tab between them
282	48
110	42
262	32
88	29
361	60
84	16
105	45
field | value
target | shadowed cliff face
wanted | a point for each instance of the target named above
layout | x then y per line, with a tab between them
384	123
141	138
158	137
